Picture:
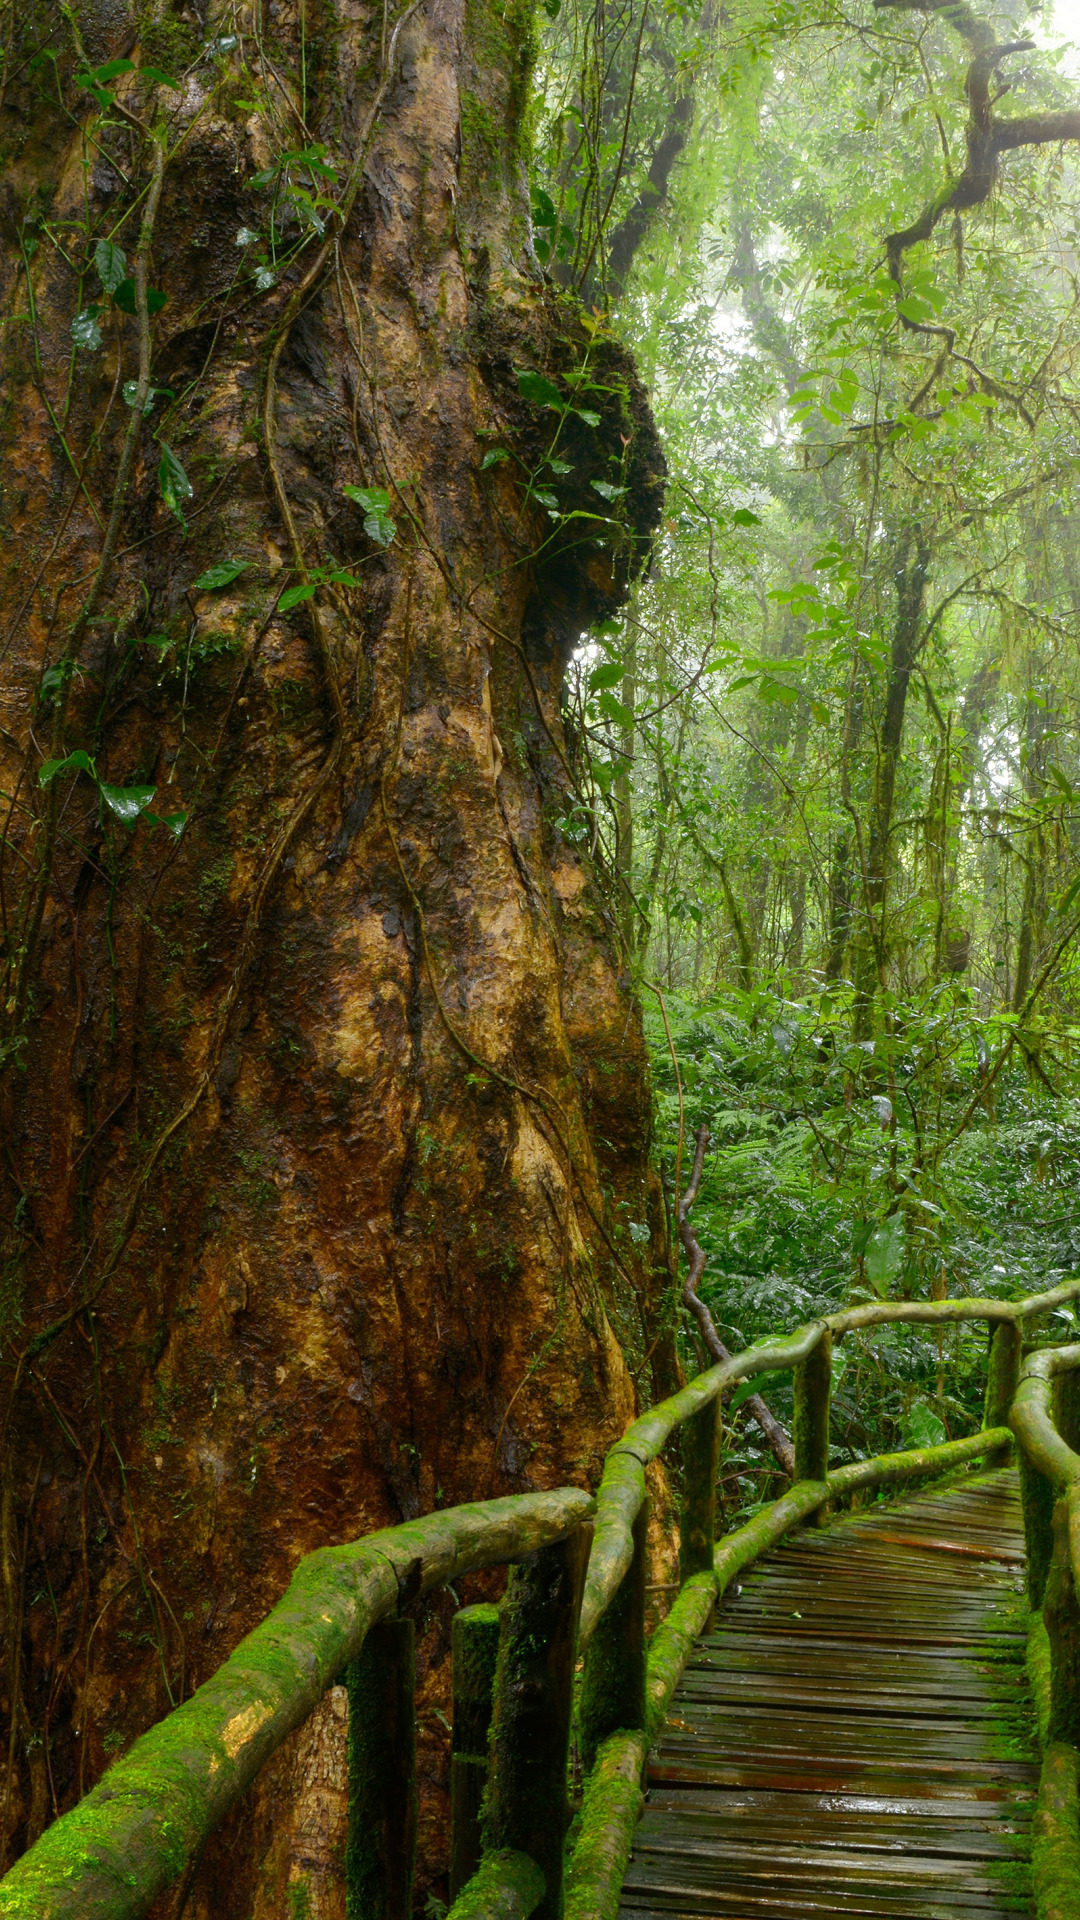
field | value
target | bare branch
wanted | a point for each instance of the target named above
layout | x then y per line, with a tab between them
774	1433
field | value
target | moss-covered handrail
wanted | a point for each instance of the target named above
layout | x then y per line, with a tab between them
134	1833
1047	1399
148	1818
622	1486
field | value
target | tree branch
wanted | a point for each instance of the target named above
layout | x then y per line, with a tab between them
770	1426
987	137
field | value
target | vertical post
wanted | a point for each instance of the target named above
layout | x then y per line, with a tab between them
380	1853
701	1461
475	1648
813	1391
1067	1407
527	1806
1037	1504
1002	1380
1062	1617
613	1686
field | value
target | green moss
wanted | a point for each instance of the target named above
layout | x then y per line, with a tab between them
166	42
1056	1836
507	1886
1038	1672
1037	1498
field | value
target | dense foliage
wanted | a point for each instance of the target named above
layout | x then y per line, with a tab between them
829	758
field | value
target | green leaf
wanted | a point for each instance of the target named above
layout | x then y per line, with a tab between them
540	391
293	596
742	517
77	762
111	263
85	330
124	297
585	413
606	676
375	501
174	483
220	575
131	395
159	78
884	1253
613	709
606	489
126	802
112	70
915	308
493	457
176	822
746	1389
922	1428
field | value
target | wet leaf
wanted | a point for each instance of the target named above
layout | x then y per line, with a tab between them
539	390
85	330
111	263
220	575
77	762
174	483
126	802
293	596
375	501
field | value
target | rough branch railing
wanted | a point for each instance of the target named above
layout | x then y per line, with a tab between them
576	1586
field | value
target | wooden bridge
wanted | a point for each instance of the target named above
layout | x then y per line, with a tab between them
831	1720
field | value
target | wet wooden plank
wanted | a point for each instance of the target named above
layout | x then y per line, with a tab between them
852	1739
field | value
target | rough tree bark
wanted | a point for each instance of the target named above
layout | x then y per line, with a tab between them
324	1113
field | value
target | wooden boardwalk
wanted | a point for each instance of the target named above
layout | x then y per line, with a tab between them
853	1736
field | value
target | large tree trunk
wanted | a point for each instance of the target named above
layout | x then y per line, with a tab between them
324	1122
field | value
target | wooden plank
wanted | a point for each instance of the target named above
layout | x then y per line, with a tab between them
851	1739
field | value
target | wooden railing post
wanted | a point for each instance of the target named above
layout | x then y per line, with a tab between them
475	1649
701	1461
1002	1380
1037	1503
526	1806
813	1393
1067	1407
1061	1616
613	1686
380	1854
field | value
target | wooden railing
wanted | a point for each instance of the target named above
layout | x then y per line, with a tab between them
576	1586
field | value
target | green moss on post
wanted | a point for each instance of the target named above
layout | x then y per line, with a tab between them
1002	1380
1037	1501
1067	1407
701	1461
380	1854
1055	1859
613	1687
475	1650
813	1390
1062	1617
526	1807
508	1886
1037	1661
